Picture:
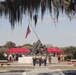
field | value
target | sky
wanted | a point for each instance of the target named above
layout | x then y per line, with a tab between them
62	34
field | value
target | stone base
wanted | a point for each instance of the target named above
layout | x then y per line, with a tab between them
27	60
54	59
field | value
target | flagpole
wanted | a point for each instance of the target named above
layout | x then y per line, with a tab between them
34	31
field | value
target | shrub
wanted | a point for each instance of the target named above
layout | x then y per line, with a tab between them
2	57
74	55
68	57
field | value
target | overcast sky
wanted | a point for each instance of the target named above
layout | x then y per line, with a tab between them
62	34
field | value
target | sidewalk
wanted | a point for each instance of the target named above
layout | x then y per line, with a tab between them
16	64
22	66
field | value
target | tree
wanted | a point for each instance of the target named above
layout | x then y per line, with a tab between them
28	46
16	8
3	49
69	50
10	45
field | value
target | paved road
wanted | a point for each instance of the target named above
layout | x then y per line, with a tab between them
44	72
39	72
12	72
53	72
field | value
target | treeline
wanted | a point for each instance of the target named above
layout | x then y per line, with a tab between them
10	44
67	50
70	52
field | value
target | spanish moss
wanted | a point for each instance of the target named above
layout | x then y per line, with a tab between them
14	9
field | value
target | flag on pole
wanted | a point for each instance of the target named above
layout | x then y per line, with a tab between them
27	32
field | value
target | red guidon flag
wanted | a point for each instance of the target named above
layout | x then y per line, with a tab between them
27	32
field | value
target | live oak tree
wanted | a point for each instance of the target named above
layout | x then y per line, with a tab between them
14	9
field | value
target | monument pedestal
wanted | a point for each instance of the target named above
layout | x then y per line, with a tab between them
54	59
27	60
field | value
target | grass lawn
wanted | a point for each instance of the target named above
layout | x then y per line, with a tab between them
3	67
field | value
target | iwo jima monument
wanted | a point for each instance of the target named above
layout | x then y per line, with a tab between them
38	48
